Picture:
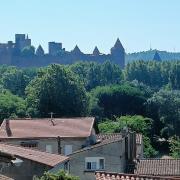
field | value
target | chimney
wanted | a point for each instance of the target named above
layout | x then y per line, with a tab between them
8	129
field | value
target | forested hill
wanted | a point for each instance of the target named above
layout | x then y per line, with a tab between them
148	55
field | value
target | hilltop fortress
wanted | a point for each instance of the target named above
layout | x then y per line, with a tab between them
22	54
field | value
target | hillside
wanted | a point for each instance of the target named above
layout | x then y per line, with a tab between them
148	55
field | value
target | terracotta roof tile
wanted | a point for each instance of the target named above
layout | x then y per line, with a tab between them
158	167
100	143
40	128
120	176
33	155
105	136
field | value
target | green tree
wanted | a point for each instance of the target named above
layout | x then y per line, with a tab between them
95	74
11	105
137	123
118	100
163	107
61	175
57	89
174	75
15	79
175	146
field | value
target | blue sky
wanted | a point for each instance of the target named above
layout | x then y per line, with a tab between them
138	23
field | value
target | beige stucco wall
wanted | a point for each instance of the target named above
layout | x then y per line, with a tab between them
114	155
75	142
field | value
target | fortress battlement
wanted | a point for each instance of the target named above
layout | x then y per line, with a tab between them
22	54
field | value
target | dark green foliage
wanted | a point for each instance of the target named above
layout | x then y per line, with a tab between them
164	107
11	105
136	123
15	79
61	175
119	100
56	89
175	146
94	74
148	55
154	74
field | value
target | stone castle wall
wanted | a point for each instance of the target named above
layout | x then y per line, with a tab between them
69	58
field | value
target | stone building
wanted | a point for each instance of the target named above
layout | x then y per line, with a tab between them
10	54
59	136
30	163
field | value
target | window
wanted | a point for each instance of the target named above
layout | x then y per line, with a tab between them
68	149
101	163
49	148
29	144
94	163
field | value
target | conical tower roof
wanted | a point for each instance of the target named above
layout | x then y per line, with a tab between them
40	51
76	50
118	44
156	57
96	51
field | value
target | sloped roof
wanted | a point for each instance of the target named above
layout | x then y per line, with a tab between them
120	176
158	167
96	51
46	128
33	155
76	50
100	142
118	44
105	136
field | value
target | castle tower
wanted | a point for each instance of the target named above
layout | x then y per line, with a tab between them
118	54
96	51
40	51
157	57
76	51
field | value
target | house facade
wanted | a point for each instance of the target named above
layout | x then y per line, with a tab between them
59	136
110	153
29	163
107	156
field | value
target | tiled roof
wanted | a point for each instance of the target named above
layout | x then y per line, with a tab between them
100	142
43	128
118	176
33	155
2	177
158	167
107	136
111	136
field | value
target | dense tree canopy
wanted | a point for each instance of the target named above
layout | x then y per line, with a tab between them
154	74
94	74
144	88
11	105
164	106
119	100
56	89
61	175
136	123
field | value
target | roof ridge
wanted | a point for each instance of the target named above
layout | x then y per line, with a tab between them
98	145
36	150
